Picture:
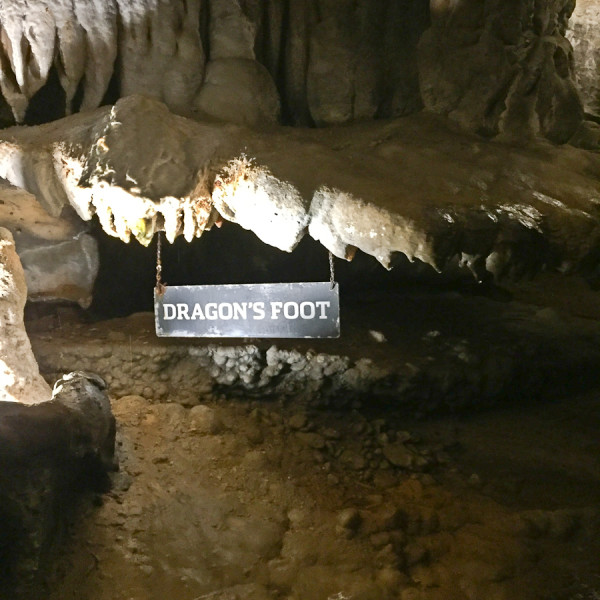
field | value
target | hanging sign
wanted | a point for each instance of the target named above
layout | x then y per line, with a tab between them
268	310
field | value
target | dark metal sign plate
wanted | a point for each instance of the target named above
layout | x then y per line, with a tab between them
269	310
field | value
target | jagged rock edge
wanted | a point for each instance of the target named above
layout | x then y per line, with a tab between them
516	240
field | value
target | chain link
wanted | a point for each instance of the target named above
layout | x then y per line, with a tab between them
160	288
331	270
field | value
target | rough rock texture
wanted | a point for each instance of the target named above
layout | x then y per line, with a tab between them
159	50
584	35
502	67
20	380
48	452
232	59
236	87
494	67
153	45
59	258
492	352
494	209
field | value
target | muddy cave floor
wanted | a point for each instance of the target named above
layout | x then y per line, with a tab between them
230	495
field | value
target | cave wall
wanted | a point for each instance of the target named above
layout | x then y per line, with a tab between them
584	35
493	66
304	61
500	67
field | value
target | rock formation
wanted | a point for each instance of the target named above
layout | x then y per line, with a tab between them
584	35
494	67
490	207
49	452
20	380
501	68
59	257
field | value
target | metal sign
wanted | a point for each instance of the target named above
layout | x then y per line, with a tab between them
268	310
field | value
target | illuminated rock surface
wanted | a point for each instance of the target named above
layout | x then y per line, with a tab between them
497	209
20	380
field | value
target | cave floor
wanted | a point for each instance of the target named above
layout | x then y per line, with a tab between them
254	498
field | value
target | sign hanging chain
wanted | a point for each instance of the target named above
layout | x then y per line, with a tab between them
331	270
160	287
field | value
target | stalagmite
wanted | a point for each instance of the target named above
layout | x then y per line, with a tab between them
20	380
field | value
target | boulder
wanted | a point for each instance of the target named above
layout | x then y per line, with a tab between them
59	258
49	453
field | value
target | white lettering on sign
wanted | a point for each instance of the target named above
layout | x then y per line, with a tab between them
265	310
227	311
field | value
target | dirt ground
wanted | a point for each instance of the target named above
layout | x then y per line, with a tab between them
255	498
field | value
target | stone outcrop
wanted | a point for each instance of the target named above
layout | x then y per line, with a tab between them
501	68
20	380
238	60
49	453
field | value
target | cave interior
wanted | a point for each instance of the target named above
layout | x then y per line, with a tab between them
439	160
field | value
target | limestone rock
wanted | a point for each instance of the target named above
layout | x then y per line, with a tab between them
64	270
232	32
331	62
251	196
48	453
59	258
80	38
85	395
584	35
488	207
345	71
21	380
160	52
501	68
240	91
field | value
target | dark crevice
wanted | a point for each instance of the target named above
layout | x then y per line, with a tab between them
204	28
48	104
